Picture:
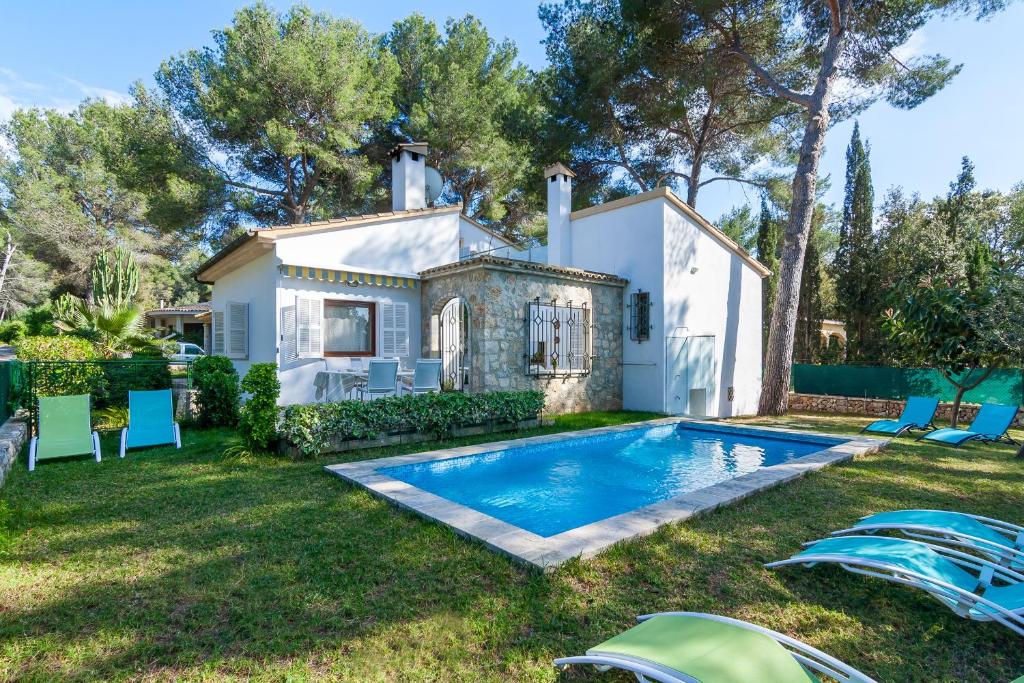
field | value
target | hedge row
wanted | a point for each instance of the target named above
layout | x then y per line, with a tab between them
314	426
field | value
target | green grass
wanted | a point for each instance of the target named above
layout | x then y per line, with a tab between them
189	564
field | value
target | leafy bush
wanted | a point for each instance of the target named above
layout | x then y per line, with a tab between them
258	421
12	331
130	375
62	379
314	426
216	380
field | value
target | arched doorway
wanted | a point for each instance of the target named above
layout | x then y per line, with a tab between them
453	344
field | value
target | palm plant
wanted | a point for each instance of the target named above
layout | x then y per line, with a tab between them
114	329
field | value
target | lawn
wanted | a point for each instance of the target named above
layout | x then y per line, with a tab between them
193	564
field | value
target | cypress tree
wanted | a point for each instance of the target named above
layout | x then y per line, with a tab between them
768	254
807	344
856	288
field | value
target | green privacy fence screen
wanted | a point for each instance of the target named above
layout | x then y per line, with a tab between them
1002	386
10	383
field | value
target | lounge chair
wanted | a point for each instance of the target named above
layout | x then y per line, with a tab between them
683	647
990	424
150	421
970	586
917	414
427	377
65	428
381	379
1001	542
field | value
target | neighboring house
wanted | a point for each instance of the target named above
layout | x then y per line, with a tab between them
191	322
833	332
638	303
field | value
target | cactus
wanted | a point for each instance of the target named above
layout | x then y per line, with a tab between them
115	278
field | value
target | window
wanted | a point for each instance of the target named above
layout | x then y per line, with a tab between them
640	316
349	328
558	339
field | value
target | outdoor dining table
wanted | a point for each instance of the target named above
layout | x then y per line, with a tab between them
361	376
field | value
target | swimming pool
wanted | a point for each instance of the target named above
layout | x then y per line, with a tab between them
549	488
543	500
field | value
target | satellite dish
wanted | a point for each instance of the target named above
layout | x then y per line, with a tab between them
434	184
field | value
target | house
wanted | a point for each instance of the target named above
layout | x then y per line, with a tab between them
190	322
637	303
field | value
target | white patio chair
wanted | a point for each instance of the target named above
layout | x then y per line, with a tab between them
381	380
427	377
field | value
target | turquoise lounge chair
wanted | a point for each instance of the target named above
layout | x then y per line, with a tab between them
990	424
150	421
1000	541
65	429
970	586
684	647
917	414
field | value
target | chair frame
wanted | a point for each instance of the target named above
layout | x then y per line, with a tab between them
34	442
416	391
961	602
1005	556
906	427
124	432
365	390
645	671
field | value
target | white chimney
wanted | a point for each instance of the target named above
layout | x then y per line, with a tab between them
408	182
559	182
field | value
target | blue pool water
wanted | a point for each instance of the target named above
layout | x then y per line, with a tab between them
553	487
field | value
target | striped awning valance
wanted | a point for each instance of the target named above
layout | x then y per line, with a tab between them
346	276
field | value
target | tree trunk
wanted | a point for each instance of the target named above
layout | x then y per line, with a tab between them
779	354
693	183
954	415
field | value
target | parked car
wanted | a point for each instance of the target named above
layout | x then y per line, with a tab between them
185	352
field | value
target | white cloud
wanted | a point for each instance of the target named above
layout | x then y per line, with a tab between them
113	97
912	48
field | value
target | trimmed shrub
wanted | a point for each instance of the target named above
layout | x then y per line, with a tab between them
258	421
63	379
216	380
12	331
314	426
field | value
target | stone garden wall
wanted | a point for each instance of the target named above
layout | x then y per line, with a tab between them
878	407
497	292
13	435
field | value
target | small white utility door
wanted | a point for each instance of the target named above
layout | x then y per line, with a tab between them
690	382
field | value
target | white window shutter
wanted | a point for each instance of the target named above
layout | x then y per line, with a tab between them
308	327
218	333
289	352
238	330
394	329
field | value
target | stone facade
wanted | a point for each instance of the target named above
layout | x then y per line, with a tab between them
13	435
878	407
497	292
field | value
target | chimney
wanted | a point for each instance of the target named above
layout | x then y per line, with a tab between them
559	181
408	180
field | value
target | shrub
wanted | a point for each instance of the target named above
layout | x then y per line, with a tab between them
314	426
258	421
12	331
216	380
62	379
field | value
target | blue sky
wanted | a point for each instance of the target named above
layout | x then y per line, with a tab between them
55	52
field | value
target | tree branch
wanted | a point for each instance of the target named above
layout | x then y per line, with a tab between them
755	183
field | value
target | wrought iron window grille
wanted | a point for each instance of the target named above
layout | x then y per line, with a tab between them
557	339
640	316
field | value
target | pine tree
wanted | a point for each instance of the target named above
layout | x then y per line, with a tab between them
955	212
856	290
768	254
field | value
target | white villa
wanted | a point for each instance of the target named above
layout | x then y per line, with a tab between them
639	303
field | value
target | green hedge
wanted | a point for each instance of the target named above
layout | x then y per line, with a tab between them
314	426
216	381
258	420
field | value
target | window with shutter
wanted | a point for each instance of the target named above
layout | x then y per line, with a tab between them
308	328
289	352
394	329
218	333
237	330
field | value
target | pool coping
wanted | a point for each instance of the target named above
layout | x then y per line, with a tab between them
546	553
